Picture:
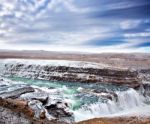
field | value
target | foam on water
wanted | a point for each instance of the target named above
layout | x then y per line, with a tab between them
85	105
126	100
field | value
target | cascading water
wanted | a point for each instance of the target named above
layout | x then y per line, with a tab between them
85	100
86	105
125	101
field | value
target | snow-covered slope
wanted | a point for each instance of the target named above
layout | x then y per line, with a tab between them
79	64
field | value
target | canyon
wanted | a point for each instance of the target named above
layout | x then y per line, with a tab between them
63	88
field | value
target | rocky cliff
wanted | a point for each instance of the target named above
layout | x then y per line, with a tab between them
76	73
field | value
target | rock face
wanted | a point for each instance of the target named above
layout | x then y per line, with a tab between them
32	106
16	93
145	75
33	112
146	90
9	117
73	74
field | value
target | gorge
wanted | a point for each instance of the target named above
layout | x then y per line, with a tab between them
66	91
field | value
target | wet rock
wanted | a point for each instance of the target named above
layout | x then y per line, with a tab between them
37	107
35	112
60	110
108	95
40	96
51	88
3	85
102	93
1	80
27	105
144	74
146	89
16	93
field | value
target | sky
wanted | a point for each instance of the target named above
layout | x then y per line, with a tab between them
75	25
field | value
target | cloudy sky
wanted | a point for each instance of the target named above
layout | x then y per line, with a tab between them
75	25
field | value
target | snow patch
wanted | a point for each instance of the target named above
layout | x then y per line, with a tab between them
68	63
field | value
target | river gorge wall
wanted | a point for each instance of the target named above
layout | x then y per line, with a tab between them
76	73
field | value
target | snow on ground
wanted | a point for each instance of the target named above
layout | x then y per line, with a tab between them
54	63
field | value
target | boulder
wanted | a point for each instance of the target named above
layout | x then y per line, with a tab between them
28	105
16	93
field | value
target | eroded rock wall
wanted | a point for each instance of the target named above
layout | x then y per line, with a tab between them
73	74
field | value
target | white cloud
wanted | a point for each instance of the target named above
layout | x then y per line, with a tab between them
134	35
129	24
62	23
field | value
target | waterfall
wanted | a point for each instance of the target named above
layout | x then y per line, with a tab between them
129	98
84	104
125	101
